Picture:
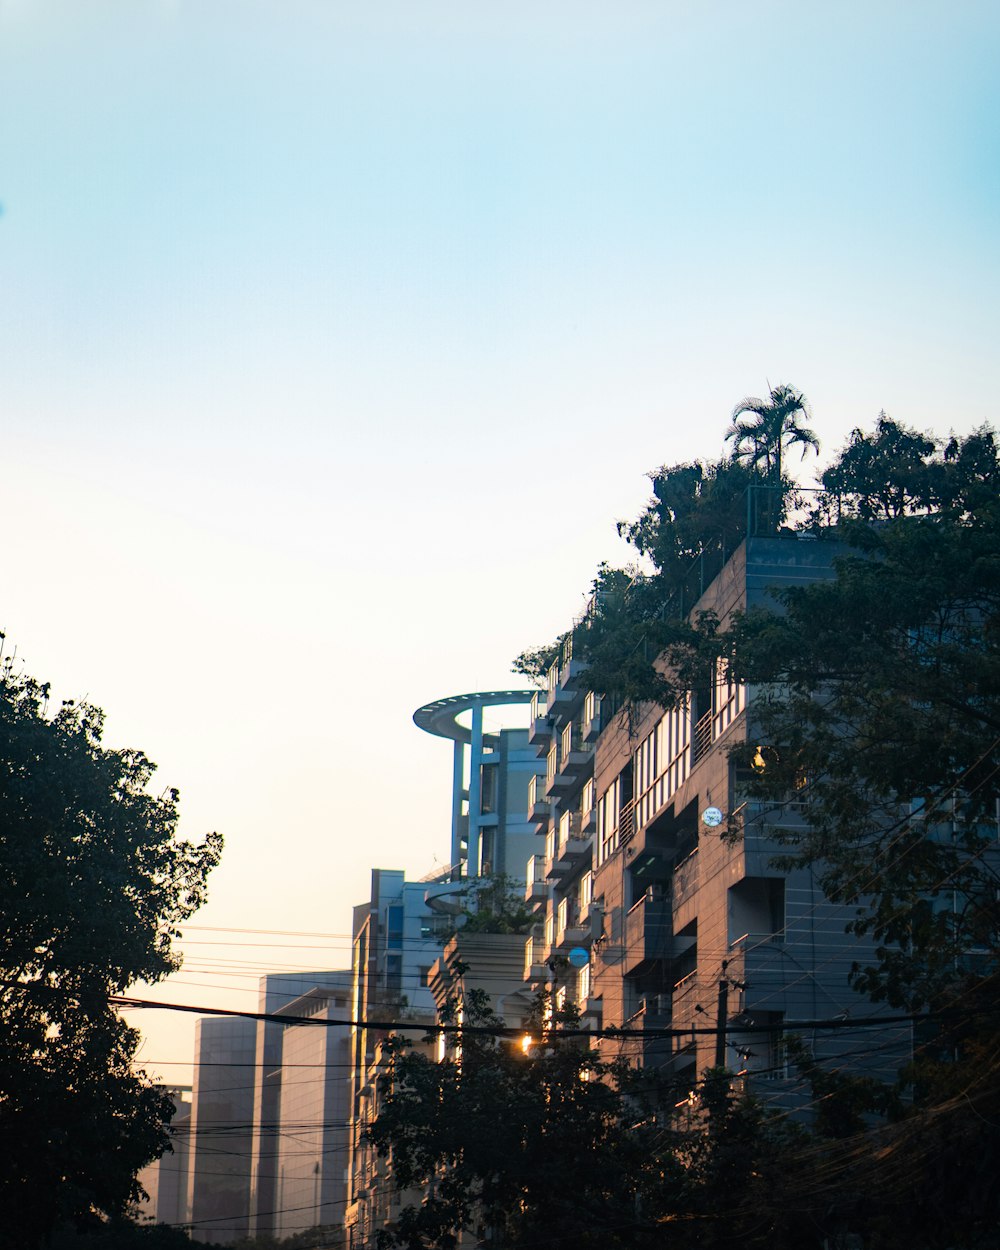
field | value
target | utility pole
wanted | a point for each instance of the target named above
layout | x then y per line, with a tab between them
720	1018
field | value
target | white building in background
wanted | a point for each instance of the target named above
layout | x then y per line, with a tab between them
218	1188
166	1179
275	991
311	1146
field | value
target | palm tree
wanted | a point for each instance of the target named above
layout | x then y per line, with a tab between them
762	427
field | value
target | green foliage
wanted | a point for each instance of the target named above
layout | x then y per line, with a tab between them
495	905
636	640
555	1146
535	662
879	693
877	697
123	1234
95	883
762	428
127	1234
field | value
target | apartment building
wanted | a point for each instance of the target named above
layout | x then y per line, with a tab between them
699	929
564	727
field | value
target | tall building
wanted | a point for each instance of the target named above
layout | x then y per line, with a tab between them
165	1180
697	930
396	941
565	724
218	1188
274	992
259	1106
400	931
491	771
311	1146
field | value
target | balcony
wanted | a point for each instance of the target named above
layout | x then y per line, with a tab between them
556	781
539	725
653	1015
686	879
573	848
536	889
591	726
575	755
687	1010
564	689
575	934
539	805
649	935
759	961
554	866
535	967
701	738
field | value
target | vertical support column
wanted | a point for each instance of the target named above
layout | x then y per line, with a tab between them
457	794
475	790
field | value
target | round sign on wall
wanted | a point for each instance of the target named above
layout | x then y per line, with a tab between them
711	817
579	957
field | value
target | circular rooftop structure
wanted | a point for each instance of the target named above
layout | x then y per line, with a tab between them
441	716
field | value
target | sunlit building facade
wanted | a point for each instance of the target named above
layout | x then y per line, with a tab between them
698	930
564	728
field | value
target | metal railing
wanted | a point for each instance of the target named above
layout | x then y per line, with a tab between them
701	738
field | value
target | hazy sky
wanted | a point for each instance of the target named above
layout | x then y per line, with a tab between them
335	336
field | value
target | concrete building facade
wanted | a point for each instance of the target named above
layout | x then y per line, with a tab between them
698	928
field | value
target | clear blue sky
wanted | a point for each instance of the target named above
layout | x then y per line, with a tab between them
335	336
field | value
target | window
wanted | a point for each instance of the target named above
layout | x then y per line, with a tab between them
587	800
607	821
730	699
586	892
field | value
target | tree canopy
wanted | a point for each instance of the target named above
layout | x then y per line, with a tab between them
762	428
878	691
875	709
544	1143
94	884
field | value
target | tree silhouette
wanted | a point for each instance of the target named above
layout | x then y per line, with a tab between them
762	428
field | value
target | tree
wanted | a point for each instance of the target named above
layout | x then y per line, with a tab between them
877	709
878	693
543	1143
773	423
635	638
534	662
494	904
94	885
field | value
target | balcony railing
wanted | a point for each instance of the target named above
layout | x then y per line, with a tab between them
701	739
626	822
539	725
539	804
591	727
648	934
686	877
536	888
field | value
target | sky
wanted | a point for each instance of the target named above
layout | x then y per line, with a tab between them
334	338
